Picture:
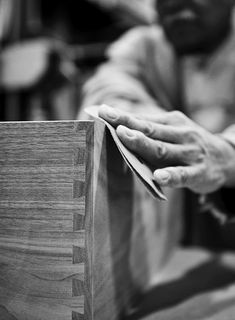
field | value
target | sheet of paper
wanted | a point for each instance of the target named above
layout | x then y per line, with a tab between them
143	172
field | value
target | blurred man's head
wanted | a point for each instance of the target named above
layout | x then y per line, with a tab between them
194	26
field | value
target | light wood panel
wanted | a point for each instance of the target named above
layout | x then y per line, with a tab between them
43	185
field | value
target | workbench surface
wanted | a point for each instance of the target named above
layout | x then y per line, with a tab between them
195	285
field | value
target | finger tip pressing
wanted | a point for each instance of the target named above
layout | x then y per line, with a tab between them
121	129
121	132
108	113
102	109
126	133
162	177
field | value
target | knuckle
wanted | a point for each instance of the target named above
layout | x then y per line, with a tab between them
134	141
140	141
183	176
191	134
202	171
184	130
134	144
173	180
148	129
161	152
178	115
172	183
200	156
194	155
127	120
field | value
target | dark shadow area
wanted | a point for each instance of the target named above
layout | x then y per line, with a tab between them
209	276
120	195
60	44
5	314
86	21
113	283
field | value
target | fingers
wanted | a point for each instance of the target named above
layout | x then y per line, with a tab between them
182	165
153	130
179	177
156	152
166	133
174	118
115	116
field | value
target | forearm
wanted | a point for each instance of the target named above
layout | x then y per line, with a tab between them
229	168
120	89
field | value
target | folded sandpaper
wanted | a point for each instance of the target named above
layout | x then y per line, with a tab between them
138	167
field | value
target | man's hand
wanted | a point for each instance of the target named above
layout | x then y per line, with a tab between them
181	153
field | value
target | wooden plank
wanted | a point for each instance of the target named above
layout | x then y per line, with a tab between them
113	287
43	195
74	240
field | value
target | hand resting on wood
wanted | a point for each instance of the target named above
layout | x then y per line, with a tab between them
180	152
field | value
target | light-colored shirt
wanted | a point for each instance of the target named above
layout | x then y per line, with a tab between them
143	74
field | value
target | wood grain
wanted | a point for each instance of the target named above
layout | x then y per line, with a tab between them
65	219
42	219
113	288
73	240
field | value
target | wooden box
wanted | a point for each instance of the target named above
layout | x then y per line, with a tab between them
76	241
63	223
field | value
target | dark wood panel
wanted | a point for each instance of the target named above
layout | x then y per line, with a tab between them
73	244
42	228
113	288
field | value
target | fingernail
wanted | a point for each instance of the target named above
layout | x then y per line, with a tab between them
164	176
110	113
127	132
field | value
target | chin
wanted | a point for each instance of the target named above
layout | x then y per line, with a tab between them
185	47
185	41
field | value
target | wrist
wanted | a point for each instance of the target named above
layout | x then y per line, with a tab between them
228	163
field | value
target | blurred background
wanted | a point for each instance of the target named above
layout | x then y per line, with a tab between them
49	48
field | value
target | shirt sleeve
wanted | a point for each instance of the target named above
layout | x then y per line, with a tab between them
229	135
120	82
